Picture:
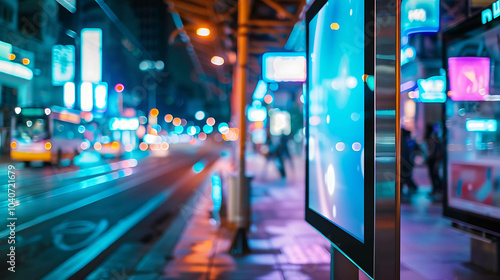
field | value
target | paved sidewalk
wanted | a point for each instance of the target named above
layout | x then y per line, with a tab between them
283	245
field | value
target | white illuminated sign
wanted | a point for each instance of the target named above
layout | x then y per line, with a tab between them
63	64
69	95
86	97
124	124
16	70
101	96
280	123
91	55
257	114
284	67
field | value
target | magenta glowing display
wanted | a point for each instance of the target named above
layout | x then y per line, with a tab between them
469	78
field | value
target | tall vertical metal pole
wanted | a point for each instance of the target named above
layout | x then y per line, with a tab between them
241	83
240	245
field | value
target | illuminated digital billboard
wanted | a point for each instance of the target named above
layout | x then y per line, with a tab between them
340	127
91	55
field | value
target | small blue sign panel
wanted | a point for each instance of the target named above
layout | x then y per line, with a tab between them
419	16
432	89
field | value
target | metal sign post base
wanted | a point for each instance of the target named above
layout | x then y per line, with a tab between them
485	254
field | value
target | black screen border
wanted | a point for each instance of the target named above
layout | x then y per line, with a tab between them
361	254
473	220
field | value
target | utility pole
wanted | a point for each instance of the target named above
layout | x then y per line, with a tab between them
240	245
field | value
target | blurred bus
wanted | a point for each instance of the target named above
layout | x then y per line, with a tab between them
45	134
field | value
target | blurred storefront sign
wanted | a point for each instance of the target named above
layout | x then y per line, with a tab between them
419	16
284	67
469	78
91	55
124	124
5	50
432	89
63	64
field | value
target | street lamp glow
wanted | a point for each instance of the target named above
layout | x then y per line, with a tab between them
154	112
200	115
202	31
217	60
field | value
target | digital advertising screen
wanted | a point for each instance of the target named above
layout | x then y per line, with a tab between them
339	127
472	158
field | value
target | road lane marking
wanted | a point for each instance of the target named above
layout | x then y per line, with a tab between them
79	260
86	172
88	200
85	256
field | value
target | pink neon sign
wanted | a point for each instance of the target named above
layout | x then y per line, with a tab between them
469	78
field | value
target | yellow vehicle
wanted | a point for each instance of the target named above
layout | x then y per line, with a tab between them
46	134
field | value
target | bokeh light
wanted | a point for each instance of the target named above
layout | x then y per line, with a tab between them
177	121
154	112
211	121
200	115
268	99
223	128
143	146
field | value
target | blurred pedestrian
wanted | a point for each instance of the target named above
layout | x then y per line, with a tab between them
275	154
434	148
408	150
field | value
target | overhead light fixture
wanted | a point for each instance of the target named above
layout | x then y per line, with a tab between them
203	31
217	60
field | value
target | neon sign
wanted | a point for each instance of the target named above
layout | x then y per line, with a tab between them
432	89
487	15
419	16
477	125
469	78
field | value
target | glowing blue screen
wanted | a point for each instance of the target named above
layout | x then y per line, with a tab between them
336	114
